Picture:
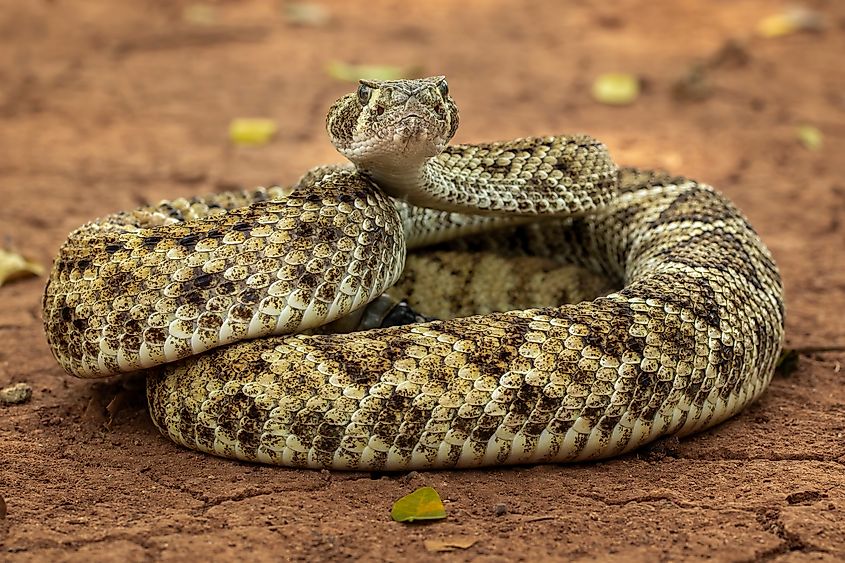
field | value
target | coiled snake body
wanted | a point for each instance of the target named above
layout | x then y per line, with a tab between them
187	287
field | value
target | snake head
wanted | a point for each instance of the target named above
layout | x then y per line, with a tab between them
393	123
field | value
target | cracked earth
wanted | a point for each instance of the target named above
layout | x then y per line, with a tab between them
107	105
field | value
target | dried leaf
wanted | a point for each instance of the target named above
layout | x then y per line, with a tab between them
118	402
450	544
252	130
810	137
540	518
805	497
306	13
199	14
14	266
731	53
616	88
15	394
787	362
352	73
422	504
2	507
790	21
694	85
94	411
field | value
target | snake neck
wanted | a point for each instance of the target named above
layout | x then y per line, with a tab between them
549	176
432	184
423	182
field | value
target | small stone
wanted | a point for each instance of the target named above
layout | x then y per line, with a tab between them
500	509
15	394
410	476
805	497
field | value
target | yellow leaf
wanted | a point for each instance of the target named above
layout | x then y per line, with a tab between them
199	14
616	88
306	13
15	266
810	137
252	130
422	504
352	73
790	21
450	544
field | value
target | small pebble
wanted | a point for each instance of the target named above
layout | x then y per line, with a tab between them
15	394
410	476
500	509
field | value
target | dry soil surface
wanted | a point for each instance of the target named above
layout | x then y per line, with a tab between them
105	105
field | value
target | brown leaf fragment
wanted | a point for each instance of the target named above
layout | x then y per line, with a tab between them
94	411
539	518
443	545
732	53
2	507
696	83
805	497
120	400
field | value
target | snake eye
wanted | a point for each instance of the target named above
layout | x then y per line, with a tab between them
364	93
443	86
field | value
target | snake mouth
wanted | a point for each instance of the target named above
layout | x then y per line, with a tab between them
413	126
413	133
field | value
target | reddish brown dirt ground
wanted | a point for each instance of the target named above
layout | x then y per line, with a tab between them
104	105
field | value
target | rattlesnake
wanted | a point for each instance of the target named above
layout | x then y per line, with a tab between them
690	337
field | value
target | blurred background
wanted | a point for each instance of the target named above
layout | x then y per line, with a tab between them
147	90
108	105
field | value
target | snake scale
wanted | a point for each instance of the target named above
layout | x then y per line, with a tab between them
249	310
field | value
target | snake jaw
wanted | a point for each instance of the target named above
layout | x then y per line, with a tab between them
413	137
